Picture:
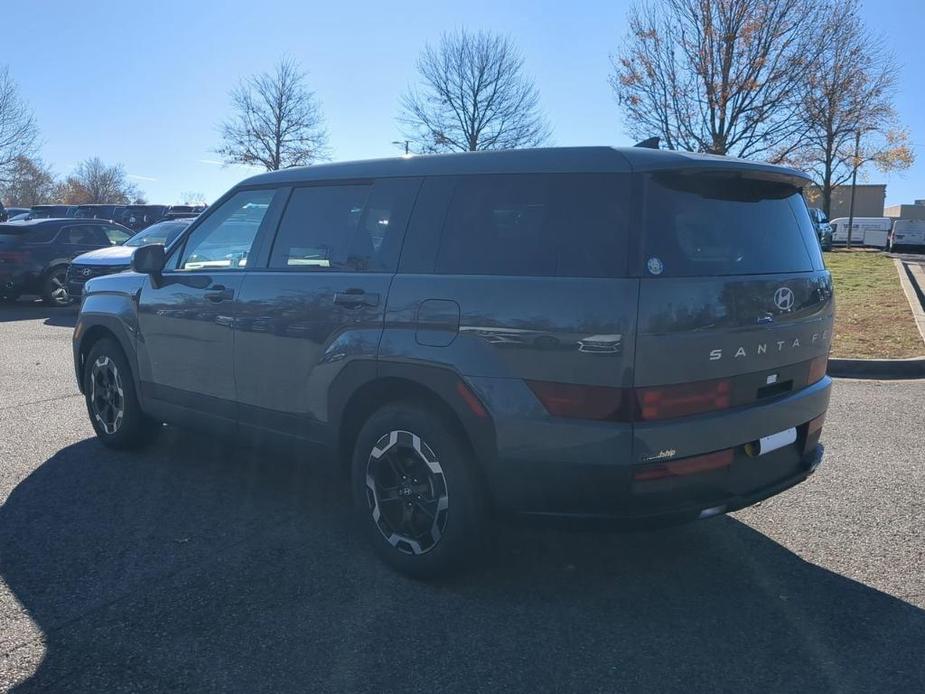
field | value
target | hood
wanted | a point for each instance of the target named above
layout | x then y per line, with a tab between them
113	255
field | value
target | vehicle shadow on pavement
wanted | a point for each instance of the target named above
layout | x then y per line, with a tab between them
59	316
197	567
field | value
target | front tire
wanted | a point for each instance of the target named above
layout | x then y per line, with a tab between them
54	287
112	402
416	492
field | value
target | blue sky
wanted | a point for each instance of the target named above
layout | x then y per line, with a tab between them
146	84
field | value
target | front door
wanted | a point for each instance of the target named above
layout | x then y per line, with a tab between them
186	316
317	308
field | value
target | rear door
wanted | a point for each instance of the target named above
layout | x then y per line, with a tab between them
734	297
315	307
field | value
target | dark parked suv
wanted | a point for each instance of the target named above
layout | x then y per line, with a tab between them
106	261
630	334
34	254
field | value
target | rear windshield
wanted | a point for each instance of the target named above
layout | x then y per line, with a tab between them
163	233
719	225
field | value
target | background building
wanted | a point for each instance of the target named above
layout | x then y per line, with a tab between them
869	199
916	211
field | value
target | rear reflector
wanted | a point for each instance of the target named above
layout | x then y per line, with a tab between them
685	466
14	256
471	399
813	433
817	368
663	402
583	402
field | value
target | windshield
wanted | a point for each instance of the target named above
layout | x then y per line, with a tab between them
163	233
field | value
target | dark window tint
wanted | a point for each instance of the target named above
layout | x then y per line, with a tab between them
718	225
810	237
29	234
567	225
344	227
85	235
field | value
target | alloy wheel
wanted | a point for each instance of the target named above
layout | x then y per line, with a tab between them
58	292
407	492
107	398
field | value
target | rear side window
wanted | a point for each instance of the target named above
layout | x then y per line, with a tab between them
542	225
30	234
719	225
354	228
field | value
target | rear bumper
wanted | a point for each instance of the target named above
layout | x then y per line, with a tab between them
17	280
684	505
549	466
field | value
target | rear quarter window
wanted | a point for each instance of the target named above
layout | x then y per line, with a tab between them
707	225
541	225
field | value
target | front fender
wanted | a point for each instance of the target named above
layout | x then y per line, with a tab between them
109	307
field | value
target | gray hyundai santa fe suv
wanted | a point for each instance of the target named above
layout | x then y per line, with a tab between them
592	333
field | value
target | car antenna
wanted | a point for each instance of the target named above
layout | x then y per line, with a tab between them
650	143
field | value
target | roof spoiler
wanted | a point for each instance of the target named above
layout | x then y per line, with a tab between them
650	143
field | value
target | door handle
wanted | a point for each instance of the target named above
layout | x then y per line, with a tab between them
354	298
218	292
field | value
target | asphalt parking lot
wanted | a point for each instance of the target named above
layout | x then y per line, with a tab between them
200	565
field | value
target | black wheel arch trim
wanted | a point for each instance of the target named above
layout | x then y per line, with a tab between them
363	376
89	333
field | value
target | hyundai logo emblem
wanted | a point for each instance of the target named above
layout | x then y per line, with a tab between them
783	298
86	272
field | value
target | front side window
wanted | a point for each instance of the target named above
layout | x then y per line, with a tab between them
354	228
224	240
115	235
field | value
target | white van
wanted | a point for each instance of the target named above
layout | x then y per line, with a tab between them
866	231
907	232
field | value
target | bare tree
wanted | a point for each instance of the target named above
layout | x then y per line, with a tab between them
31	182
720	76
96	182
849	92
277	121
191	197
472	96
18	131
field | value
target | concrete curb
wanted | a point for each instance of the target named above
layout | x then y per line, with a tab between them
877	368
912	279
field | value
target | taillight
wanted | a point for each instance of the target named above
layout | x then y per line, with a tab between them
14	256
583	402
661	402
813	432
817	368
684	466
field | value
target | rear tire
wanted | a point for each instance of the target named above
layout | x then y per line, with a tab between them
112	402
416	493
54	287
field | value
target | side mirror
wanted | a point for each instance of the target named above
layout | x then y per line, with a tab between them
149	260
